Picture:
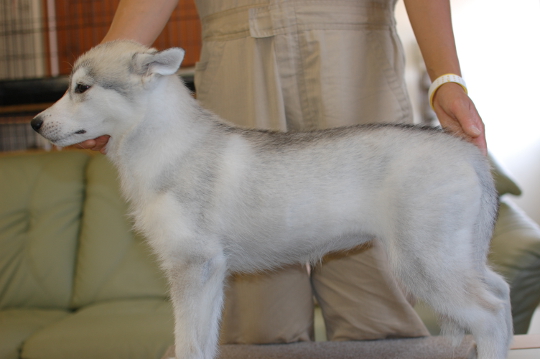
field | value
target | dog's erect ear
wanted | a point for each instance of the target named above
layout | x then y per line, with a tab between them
165	62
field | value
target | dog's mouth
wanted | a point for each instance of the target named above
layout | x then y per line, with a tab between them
67	140
51	132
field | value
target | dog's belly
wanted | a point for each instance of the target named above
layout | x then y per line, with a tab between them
263	238
254	254
298	228
301	220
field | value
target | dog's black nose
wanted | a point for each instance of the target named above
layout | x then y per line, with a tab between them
36	123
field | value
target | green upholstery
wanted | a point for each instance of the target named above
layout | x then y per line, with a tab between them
113	262
40	208
503	183
131	329
40	212
74	279
515	254
16	325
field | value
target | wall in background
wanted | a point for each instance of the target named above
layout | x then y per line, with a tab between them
499	49
42	38
22	41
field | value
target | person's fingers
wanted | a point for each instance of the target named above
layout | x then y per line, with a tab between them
101	144
457	114
87	145
96	144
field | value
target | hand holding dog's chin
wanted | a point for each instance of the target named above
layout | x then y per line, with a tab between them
97	144
458	115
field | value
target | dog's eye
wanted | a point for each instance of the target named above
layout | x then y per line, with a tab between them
80	88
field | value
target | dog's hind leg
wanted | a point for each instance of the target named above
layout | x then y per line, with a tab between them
196	287
466	302
443	269
498	286
484	314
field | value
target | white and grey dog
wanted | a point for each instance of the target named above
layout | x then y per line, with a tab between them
213	198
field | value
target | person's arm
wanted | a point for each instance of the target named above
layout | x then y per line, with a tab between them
140	20
432	25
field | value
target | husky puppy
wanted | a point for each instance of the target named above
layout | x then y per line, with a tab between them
213	198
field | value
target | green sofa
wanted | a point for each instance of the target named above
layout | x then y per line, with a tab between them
76	282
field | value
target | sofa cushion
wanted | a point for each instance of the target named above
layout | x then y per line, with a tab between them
18	324
129	329
113	262
516	256
503	183
40	212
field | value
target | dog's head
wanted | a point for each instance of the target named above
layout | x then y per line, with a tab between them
105	92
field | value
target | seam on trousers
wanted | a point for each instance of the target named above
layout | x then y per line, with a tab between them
393	82
308	119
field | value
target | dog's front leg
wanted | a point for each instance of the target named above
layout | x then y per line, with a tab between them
196	286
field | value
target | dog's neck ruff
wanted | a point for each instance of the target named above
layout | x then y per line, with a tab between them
167	128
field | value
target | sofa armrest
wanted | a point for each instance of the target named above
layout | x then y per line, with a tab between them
515	254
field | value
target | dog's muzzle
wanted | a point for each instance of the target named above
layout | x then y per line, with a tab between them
36	123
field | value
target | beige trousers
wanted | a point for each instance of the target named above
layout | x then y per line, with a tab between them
302	65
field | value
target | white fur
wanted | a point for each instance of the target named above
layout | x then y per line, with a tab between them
212	198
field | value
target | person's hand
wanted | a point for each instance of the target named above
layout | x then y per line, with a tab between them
97	144
458	115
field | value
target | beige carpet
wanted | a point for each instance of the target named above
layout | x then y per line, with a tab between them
419	348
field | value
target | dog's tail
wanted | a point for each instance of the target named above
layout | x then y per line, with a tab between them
489	208
491	293
452	330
